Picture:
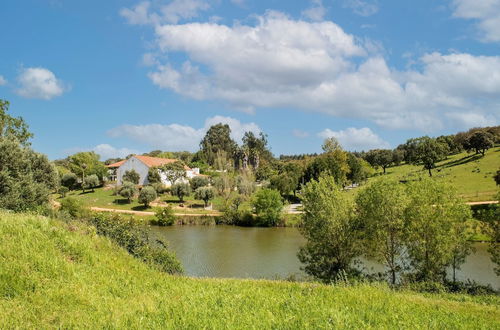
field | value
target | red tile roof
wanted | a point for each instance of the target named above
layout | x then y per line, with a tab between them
117	164
149	162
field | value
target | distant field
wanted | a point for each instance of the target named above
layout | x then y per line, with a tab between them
470	174
55	275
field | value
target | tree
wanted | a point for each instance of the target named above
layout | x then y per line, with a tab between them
283	183
180	190
205	194
131	176
268	206
245	183
147	195
497	177
480	141
165	216
26	177
199	181
334	163
427	151
217	139
154	175
174	171
435	219
253	149
331	231
128	190
87	163
381	210
331	144
12	127
359	169
63	191
91	181
69	180
380	157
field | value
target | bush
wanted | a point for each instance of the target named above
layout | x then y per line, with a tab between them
74	208
268	206
63	191
147	195
131	176
165	216
69	180
198	182
135	239
180	190
91	181
128	190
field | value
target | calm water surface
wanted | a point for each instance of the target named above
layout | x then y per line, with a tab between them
228	251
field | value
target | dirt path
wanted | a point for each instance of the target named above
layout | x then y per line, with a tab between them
101	209
482	203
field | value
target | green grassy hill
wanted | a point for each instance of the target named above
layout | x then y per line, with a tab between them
470	174
63	275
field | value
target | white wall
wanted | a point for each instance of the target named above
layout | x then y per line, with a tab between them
133	164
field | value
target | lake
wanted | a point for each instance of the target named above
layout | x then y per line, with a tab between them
230	251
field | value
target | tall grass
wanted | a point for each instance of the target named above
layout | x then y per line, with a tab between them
58	275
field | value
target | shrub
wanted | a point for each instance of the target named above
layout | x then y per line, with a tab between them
198	182
128	190
131	176
91	181
69	180
147	195
268	206
205	194
63	191
74	208
180	190
165	216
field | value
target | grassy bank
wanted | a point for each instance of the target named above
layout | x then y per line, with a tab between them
59	275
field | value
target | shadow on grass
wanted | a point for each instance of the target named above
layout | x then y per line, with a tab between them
141	208
122	201
87	192
461	161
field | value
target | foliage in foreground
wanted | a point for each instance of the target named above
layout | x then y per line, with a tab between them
55	275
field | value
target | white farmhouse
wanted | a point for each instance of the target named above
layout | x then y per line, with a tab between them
142	164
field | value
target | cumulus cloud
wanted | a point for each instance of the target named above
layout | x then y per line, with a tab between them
39	83
316	12
3	81
147	12
176	137
362	8
107	151
356	138
485	12
300	133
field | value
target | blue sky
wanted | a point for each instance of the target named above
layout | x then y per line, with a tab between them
121	77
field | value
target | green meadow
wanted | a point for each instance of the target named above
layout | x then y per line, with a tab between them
62	275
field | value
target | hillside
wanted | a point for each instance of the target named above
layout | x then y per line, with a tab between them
470	174
59	275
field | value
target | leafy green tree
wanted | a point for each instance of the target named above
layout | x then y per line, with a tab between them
63	191
435	219
359	169
26	177
174	171
91	182
428	151
147	195
381	210
335	163
199	181
205	194
69	180
87	163
154	175
217	139
254	149
398	156
12	127
331	230
480	141
165	216
245	183
380	158
283	183
268	206
331	144
181	190
497	178
131	176
128	190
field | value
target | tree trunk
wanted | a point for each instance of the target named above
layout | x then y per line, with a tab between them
430	173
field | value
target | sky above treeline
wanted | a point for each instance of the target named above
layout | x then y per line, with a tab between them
120	77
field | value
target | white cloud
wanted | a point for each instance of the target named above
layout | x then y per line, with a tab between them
3	81
466	120
362	8
316	12
240	3
485	12
356	138
300	133
39	83
176	137
107	151
144	12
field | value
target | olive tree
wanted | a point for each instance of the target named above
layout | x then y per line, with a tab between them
147	195
268	206
205	194
174	171
131	176
69	180
91	181
381	210
128	190
330	229
199	181
180	190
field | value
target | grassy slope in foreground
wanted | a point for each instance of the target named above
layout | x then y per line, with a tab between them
470	174
57	275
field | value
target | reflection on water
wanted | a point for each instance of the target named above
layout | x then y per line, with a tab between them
228	251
